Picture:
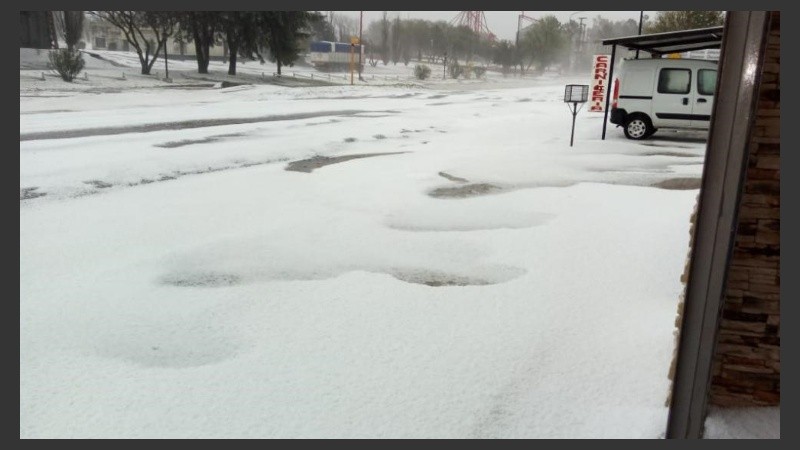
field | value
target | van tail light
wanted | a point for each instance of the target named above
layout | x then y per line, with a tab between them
616	94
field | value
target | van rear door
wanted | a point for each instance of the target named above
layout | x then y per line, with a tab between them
704	97
673	99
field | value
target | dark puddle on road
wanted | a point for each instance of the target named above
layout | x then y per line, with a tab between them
308	165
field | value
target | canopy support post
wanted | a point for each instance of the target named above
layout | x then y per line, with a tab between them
608	90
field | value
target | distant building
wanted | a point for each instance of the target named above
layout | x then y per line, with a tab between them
101	35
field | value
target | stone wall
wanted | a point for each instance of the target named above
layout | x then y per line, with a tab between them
747	366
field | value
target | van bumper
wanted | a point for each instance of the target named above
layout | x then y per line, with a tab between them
618	116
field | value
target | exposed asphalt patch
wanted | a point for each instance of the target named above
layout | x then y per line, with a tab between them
188	87
452	178
215	138
106	131
47	111
679	183
308	165
209	279
676	154
655	144
469	190
357	97
29	193
99	184
490	275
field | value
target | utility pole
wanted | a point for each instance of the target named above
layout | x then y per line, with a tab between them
580	36
360	44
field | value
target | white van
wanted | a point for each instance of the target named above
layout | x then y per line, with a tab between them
663	93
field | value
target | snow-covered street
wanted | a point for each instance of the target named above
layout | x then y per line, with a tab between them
445	265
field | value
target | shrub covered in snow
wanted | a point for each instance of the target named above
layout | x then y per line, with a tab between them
67	63
479	71
422	72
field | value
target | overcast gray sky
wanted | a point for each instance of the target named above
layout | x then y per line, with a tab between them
502	23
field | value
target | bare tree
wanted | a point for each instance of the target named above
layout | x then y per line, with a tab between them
134	24
345	27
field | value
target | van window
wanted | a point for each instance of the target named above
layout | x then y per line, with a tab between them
706	81
674	81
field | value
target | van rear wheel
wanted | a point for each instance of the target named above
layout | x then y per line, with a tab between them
638	127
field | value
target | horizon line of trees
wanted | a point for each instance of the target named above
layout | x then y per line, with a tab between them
281	36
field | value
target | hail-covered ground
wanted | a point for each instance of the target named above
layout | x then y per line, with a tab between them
382	260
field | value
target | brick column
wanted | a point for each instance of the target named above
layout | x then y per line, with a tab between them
747	366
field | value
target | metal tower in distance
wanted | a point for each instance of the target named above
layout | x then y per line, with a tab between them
475	21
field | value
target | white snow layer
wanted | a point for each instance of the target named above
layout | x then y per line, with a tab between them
743	423
376	297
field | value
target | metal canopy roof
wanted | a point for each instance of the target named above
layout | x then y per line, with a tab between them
672	42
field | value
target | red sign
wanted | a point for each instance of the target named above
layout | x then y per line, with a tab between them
597	102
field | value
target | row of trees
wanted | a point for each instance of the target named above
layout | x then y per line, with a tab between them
397	40
548	42
280	35
545	43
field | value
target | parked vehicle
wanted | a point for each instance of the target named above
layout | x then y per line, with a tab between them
650	94
326	55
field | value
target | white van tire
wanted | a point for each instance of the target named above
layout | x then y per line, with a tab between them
638	126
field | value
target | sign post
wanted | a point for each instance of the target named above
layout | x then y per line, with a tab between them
353	42
575	94
600	83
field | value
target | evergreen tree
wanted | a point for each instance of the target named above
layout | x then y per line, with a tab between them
201	28
283	32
